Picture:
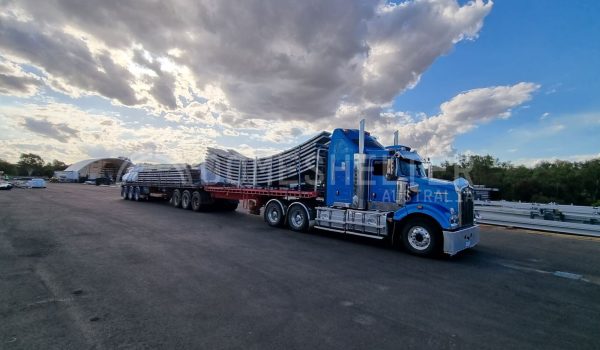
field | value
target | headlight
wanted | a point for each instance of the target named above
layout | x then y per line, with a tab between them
454	219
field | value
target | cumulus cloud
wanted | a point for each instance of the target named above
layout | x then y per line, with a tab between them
68	60
405	39
279	60
268	71
91	134
61	131
15	82
459	115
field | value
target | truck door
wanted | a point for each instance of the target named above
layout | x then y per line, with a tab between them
382	192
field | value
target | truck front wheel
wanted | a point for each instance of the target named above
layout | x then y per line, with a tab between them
420	237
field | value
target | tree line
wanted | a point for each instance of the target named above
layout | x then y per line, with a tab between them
559	181
562	182
31	164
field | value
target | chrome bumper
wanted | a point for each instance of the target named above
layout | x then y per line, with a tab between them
455	241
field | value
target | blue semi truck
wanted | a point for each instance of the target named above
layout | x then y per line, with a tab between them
354	186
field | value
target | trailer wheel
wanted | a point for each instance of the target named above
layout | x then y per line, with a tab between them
273	214
176	198
186	200
196	200
136	194
421	237
124	192
298	218
129	193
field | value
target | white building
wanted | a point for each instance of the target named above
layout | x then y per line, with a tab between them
91	169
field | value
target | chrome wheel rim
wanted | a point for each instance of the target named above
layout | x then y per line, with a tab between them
273	215
419	238
297	219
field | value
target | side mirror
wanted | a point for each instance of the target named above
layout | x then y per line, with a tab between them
391	169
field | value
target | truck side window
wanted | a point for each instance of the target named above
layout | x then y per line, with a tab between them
379	167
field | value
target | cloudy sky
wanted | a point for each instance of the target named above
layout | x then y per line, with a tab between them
160	81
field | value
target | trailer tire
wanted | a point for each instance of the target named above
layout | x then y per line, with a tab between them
136	194
196	201
186	200
176	198
129	192
124	192
421	237
274	215
298	218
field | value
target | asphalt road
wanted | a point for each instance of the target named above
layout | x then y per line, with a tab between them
82	269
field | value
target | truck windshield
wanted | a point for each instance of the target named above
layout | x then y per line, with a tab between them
411	168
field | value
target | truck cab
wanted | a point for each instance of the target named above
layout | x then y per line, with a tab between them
385	192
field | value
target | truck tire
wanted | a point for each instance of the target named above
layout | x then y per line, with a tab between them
186	200
273	214
298	218
176	199
124	192
136	194
196	201
421	237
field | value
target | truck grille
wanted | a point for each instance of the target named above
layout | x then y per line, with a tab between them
467	211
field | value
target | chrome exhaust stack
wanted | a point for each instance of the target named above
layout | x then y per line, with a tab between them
359	199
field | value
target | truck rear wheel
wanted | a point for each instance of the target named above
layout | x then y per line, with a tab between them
176	199
136	194
273	214
421	237
186	200
298	219
124	192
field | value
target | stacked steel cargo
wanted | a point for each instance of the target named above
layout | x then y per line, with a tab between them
292	166
163	175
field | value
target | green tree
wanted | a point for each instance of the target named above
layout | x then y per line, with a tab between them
30	164
8	168
558	181
55	165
